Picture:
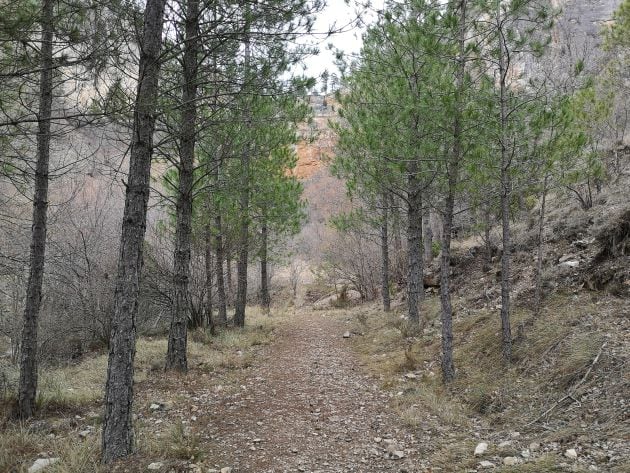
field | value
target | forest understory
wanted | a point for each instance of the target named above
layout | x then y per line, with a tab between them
350	388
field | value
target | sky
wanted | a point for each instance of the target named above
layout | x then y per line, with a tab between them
340	16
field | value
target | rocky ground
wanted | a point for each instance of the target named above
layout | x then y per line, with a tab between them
306	406
325	394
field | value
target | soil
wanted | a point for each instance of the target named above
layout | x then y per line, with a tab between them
307	406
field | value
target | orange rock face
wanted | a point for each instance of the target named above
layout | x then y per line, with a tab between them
318	145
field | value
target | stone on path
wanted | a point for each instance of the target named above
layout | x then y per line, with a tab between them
486	464
510	461
155	466
571	453
42	463
346	335
481	448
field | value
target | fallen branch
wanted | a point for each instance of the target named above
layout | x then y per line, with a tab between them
570	394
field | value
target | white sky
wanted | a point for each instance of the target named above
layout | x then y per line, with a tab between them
336	15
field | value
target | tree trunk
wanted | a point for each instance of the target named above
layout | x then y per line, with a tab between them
396	230
427	240
117	422
243	239
415	285
221	299
541	249
265	298
230	280
27	390
385	254
506	192
448	367
178	334
209	321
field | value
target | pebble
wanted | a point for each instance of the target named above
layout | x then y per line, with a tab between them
481	448
227	469
155	466
510	461
42	463
571	453
486	464
346	335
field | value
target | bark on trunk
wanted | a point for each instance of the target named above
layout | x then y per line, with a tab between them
27	390
209	321
243	239
230	280
448	367
221	300
117	422
265	298
396	230
506	192
415	286
178	335
385	254
427	240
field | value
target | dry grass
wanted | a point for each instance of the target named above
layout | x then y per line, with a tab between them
550	359
77	389
19	447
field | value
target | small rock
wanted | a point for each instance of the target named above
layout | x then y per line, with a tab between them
378	439
155	466
510	461
410	375
84	433
397	454
227	469
534	446
525	453
481	448
155	407
515	435
486	464
42	463
569	264
346	335
571	453
505	444
257	440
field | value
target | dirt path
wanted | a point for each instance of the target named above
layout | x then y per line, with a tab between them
308	407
